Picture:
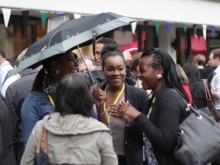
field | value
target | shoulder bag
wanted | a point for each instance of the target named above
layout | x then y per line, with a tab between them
198	139
41	157
211	106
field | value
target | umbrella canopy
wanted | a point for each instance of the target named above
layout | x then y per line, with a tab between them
69	35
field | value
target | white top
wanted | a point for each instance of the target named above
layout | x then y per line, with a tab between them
5	67
215	85
8	82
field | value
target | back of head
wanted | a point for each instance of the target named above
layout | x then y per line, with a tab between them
73	96
110	50
2	53
192	72
200	60
107	41
181	74
216	53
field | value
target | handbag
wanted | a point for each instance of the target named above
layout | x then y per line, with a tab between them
198	138
41	157
214	112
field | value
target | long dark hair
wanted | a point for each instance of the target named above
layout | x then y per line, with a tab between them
164	60
73	96
192	72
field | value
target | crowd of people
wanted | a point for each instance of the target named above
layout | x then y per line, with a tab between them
129	114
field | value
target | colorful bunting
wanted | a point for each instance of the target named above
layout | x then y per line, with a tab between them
76	16
6	15
120	29
169	25
213	31
157	25
60	14
204	31
43	15
185	28
133	27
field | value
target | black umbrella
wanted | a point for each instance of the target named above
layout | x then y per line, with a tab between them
69	35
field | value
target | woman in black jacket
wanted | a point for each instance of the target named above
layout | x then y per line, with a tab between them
167	110
6	149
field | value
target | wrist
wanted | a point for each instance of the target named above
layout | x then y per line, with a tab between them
101	113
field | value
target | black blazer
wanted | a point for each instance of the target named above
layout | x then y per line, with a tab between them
133	136
162	126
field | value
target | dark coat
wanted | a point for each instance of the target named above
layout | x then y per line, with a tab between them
6	149
162	126
133	136
14	96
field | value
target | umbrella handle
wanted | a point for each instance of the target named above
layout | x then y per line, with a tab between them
93	44
80	52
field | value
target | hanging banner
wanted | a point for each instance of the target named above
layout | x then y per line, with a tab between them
133	27
169	25
25	14
185	28
60	14
213	31
204	31
76	16
157	25
43	15
6	15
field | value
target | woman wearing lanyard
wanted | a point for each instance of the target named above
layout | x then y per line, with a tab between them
127	138
157	72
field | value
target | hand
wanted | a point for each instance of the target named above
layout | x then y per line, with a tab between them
99	98
113	110
127	111
127	54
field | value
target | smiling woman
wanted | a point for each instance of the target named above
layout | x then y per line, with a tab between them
127	138
40	101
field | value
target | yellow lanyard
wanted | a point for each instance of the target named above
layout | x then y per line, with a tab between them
148	115
51	100
116	100
153	101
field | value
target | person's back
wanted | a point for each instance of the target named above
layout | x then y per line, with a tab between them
74	137
196	85
6	150
14	97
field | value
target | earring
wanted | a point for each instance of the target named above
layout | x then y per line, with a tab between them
159	76
57	71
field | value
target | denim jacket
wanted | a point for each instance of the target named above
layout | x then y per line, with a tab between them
36	105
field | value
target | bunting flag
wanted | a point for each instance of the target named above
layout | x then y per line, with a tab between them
133	27
25	14
185	28
169	25
204	31
157	25
6	15
213	31
120	29
43	15
60	14
76	16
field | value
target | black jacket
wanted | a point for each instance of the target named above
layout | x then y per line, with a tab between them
6	149
161	128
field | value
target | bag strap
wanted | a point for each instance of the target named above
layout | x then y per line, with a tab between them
189	107
42	133
207	93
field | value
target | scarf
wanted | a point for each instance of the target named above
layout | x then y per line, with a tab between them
49	86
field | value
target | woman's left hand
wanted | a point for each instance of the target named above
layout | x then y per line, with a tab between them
127	111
